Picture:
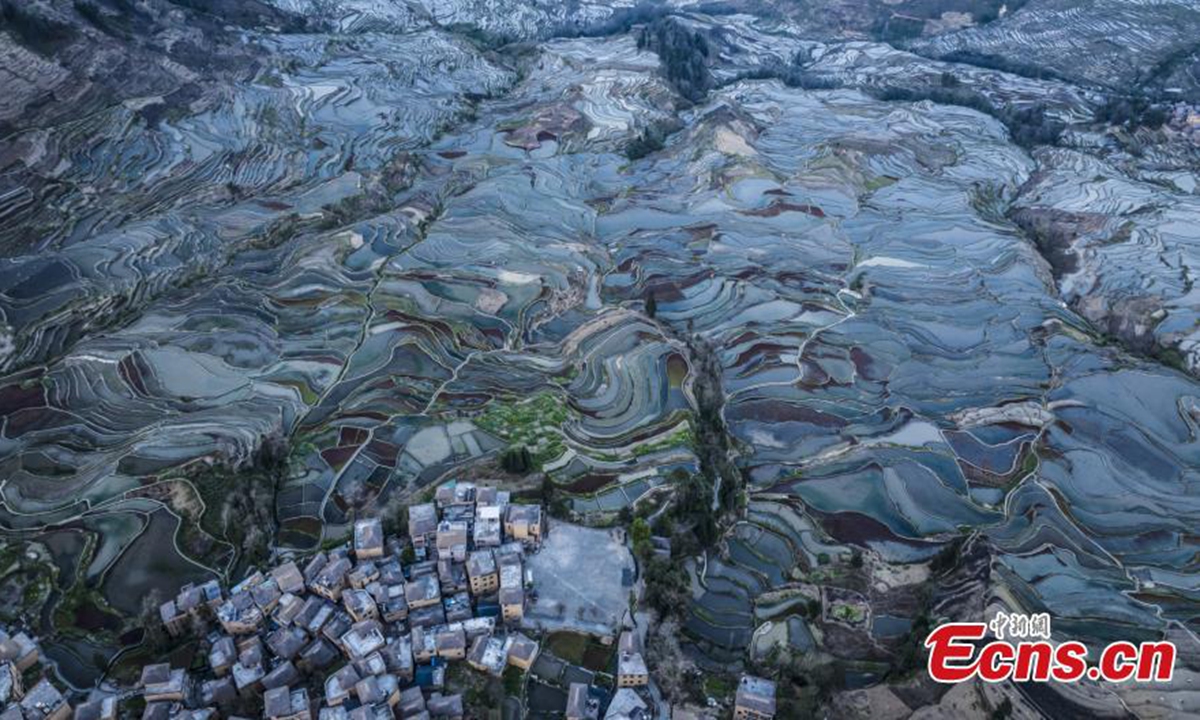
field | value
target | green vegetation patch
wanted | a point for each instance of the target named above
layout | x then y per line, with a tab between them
568	645
533	423
580	650
683	437
717	686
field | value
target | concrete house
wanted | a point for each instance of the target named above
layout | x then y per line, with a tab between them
363	575
211	595
289	579
282	675
20	650
488	531
394	605
286	704
477	626
412	703
423	592
317	655
482	574
452	539
445	707
368	539
360	605
287	642
451	643
288	607
422	524
314	566
266	596
523	523
222	655
363	639
580	704
452	575
424	645
331	579
455	493
247	678
220	692
489	655
522	651
427	617
512	590
174	621
398	658
102	709
160	683
631	670
627	705
12	684
45	702
512	604
755	699
340	685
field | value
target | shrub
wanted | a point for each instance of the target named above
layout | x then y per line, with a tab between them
39	33
684	55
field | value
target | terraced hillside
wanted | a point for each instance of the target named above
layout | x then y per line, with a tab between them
921	364
1123	46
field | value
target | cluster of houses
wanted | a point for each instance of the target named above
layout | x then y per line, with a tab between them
627	702
754	700
365	630
41	700
1185	119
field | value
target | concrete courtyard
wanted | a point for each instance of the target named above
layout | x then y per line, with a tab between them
580	578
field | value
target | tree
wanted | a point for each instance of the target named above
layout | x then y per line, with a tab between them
706	531
664	525
154	632
639	532
911	653
683	54
667	589
517	460
514	678
560	508
667	660
814	608
947	558
648	141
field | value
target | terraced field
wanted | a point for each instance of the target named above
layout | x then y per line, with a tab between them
394	248
1115	44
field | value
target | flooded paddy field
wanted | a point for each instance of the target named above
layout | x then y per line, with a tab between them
395	252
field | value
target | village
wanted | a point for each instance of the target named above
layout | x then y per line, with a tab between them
372	628
1184	119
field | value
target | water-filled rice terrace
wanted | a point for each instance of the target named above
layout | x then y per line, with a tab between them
396	256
